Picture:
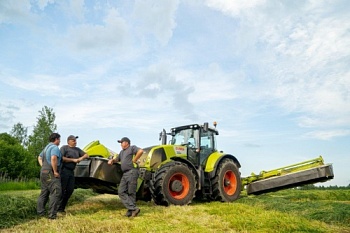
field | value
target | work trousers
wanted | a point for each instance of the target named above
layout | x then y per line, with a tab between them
67	181
50	191
127	189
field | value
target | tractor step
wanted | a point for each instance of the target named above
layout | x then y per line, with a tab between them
309	176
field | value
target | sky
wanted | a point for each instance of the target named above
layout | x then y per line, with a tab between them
274	74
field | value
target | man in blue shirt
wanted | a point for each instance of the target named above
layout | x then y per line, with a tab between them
50	160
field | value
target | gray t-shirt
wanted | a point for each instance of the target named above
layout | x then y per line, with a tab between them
73	153
125	157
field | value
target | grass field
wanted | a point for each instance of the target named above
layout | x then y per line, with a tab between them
284	211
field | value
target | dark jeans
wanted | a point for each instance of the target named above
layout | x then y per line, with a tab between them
67	182
127	189
50	190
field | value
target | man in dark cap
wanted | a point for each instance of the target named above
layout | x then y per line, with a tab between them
50	160
128	158
71	155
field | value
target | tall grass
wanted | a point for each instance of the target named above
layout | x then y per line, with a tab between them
283	211
21	183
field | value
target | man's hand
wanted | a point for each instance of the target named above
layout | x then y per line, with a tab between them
56	174
111	161
136	161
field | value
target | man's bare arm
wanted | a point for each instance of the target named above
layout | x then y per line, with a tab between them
137	156
54	165
40	160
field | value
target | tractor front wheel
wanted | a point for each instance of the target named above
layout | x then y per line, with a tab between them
227	182
174	183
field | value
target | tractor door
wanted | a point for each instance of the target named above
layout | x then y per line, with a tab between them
193	146
207	145
188	137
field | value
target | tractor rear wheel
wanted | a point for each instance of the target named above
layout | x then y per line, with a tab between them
227	182
174	183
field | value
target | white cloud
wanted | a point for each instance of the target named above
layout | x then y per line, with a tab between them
157	18
234	8
328	134
43	3
214	84
77	9
35	84
306	49
112	34
14	12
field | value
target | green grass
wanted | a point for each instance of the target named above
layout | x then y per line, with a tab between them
329	206
13	185
17	206
7	183
284	211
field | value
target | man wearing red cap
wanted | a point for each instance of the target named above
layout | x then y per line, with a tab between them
128	158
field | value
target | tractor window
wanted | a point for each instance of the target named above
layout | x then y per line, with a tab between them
207	140
185	137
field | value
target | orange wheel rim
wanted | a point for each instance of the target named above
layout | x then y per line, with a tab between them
183	186
230	183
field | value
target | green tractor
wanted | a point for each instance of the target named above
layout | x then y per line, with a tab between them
189	166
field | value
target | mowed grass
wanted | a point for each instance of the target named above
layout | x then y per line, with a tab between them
283	211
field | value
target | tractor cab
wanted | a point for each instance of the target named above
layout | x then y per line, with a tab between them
199	140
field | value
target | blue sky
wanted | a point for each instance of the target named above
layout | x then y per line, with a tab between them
274	74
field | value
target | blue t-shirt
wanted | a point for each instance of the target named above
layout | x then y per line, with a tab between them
52	149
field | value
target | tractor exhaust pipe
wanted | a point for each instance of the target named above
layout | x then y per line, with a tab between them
163	137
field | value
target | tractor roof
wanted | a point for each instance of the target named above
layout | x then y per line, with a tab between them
193	126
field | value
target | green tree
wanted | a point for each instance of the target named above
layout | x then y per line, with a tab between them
44	127
8	139
20	133
15	160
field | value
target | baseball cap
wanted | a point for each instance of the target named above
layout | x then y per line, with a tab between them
124	139
71	137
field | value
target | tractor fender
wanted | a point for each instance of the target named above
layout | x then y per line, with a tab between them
214	160
187	162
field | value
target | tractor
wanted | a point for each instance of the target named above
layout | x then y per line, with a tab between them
190	166
172	173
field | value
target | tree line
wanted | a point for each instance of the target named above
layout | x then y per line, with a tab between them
19	151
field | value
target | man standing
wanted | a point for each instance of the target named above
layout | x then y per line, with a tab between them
71	155
128	158
50	161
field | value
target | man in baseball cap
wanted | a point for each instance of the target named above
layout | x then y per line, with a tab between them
71	155
128	158
72	137
124	139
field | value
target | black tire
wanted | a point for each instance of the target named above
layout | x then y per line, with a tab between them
227	182
174	183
